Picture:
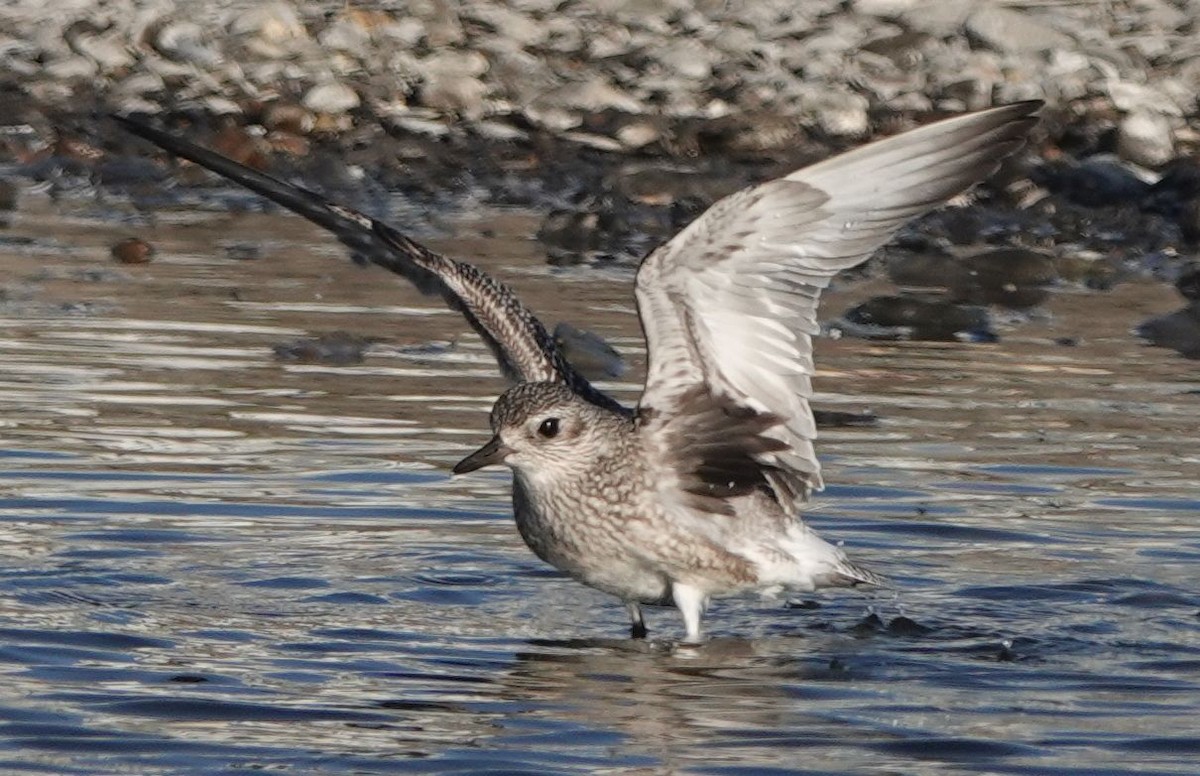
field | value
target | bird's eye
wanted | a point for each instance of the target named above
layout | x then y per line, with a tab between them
549	428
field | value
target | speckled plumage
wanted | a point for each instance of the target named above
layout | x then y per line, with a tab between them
696	493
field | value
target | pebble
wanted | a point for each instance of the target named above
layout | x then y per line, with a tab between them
338	348
1145	138
10	195
331	97
918	317
589	353
133	250
830	66
1016	278
1179	331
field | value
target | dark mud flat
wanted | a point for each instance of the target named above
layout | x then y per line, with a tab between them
218	561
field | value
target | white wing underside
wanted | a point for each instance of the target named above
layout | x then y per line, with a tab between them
731	301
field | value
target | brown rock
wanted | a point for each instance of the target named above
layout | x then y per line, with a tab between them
133	250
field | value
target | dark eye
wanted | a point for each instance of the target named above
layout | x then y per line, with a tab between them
549	428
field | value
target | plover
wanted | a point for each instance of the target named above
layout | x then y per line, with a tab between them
697	491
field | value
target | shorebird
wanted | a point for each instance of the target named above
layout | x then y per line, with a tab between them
697	491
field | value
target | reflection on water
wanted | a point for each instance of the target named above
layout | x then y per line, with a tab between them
215	561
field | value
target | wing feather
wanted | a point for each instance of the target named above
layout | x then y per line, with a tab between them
729	305
523	348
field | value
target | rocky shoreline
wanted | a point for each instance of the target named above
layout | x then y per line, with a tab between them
623	119
765	72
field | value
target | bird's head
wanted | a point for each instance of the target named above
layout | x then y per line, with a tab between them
543	429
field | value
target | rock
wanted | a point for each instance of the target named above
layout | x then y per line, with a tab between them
242	147
1179	331
840	113
1178	185
454	93
843	419
338	348
72	68
638	134
184	41
407	32
1011	31
331	97
216	105
917	317
242	251
507	23
133	250
595	95
685	58
594	358
923	269
1015	278
107	50
288	117
347	35
1187	283
1145	138
10	195
1093	183
273	23
1091	268
942	18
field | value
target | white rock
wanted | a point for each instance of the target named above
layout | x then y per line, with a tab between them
592	140
596	95
941	18
274	23
345	35
184	41
886	8
72	68
452	62
140	84
508	23
221	106
551	117
421	126
638	134
686	58
499	130
407	32
1015	32
1145	138
127	105
109	51
331	97
455	93
839	113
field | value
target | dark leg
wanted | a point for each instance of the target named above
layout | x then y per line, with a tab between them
637	627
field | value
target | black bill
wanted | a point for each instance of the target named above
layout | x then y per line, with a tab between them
493	452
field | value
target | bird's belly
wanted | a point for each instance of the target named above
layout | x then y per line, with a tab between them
599	555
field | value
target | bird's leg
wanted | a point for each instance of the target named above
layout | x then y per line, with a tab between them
691	603
637	628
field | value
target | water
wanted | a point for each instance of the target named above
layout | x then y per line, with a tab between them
214	562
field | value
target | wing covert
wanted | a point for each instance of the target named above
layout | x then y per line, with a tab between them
730	303
523	348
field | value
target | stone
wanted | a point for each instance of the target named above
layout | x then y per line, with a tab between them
1145	138
331	97
1011	31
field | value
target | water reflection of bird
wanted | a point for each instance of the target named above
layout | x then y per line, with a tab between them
696	493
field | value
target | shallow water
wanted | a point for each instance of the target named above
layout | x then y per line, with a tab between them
215	562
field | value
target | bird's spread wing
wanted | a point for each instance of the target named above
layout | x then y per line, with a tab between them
520	342
729	305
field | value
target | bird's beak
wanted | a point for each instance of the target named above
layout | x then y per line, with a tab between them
493	452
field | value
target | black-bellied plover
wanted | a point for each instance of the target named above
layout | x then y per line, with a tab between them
695	493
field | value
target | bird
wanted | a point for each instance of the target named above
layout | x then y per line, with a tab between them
696	492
